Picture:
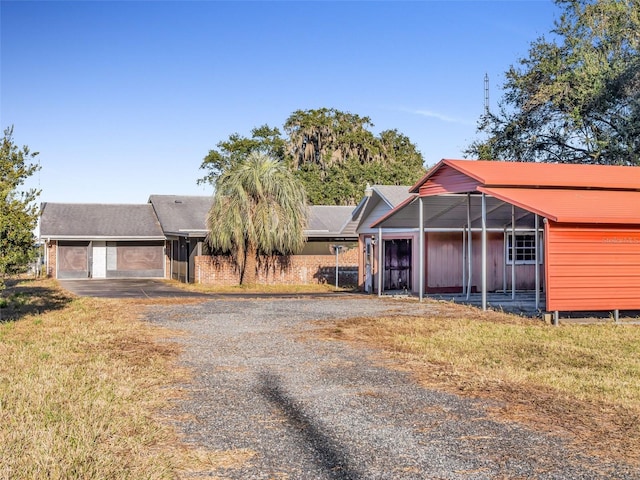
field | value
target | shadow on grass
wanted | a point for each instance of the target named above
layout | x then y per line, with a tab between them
29	297
328	454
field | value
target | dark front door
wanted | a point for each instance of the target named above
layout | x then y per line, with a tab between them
397	264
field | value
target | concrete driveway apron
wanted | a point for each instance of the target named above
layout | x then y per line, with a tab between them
126	288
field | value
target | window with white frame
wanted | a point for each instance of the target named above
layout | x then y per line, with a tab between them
525	251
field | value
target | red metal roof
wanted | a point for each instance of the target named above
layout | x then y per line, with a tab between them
539	175
574	205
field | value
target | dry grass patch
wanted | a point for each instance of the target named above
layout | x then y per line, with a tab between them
275	289
579	380
82	387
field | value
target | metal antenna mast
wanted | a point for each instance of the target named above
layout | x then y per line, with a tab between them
486	94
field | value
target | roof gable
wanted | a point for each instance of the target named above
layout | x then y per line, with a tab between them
383	199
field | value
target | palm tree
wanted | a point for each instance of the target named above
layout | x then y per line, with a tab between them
259	208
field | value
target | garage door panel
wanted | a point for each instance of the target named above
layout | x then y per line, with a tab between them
130	259
73	260
140	258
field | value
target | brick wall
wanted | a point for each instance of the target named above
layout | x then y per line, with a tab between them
167	259
290	270
52	251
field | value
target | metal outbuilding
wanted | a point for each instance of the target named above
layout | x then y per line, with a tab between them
585	254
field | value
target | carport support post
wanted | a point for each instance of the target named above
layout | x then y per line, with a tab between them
469	248
504	264
421	247
464	260
484	252
380	267
513	252
537	248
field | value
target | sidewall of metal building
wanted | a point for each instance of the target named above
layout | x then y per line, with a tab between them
592	267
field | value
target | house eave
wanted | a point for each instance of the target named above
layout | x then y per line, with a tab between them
44	236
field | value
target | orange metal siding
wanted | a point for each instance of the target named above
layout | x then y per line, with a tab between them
592	267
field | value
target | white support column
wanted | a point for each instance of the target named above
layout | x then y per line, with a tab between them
171	259
464	260
380	265
537	248
469	250
421	247
504	264
513	252
484	252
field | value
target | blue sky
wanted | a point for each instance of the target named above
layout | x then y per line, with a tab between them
123	99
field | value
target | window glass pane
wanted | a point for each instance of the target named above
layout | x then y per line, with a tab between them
525	247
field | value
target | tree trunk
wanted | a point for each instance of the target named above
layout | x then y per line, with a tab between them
250	274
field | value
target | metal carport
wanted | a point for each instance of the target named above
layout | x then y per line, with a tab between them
588	214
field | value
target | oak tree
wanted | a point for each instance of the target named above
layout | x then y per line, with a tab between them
576	97
333	153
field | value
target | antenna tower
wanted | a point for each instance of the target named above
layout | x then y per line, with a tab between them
486	94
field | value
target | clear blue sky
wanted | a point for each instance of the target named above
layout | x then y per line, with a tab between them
123	99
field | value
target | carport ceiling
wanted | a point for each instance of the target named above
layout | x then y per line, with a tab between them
449	211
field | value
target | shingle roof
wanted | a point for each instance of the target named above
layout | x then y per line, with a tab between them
182	213
99	220
394	194
164	214
383	198
328	220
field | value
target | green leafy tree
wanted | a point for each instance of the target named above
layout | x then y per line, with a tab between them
259	209
236	148
333	153
18	212
575	99
328	136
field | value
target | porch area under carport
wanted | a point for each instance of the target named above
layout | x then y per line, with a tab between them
484	229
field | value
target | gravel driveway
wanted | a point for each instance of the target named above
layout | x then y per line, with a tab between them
323	409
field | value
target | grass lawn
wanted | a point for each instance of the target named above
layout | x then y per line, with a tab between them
83	383
578	380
